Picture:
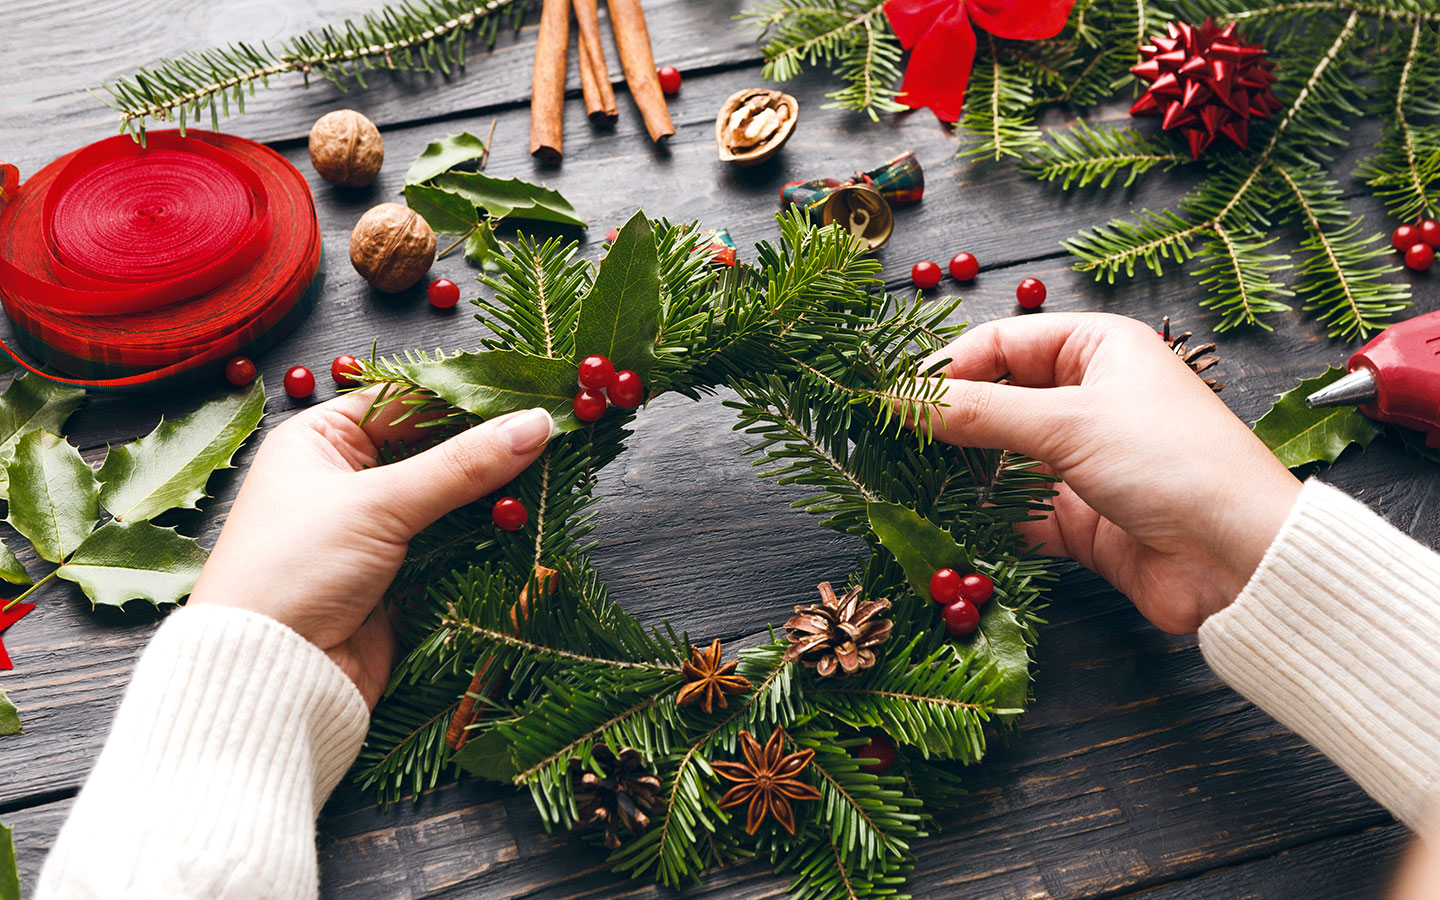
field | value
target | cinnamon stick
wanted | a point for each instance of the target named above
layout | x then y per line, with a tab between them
632	39
547	87
594	74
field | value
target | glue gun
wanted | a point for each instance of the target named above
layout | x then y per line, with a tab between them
1394	378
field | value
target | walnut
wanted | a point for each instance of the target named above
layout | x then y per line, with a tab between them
346	148
392	247
754	124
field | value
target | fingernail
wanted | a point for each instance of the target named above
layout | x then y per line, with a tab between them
527	431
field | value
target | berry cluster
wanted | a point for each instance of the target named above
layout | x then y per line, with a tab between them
299	380
599	381
1418	242
961	597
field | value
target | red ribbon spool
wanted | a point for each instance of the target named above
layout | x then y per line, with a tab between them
128	266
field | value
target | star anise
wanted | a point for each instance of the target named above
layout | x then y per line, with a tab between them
837	636
766	780
622	796
707	681
1194	357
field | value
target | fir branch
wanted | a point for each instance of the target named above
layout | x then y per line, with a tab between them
999	114
1150	240
870	819
1406	170
1240	275
1085	155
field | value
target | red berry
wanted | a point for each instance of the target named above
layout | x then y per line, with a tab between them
961	618
344	369
964	267
1430	232
509	514
627	392
977	588
239	371
443	293
1405	237
299	382
596	373
879	749
589	405
1030	293
945	586
669	79
1419	256
925	274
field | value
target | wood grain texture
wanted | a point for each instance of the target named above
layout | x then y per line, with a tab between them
1135	771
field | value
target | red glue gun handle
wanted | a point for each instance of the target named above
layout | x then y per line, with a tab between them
1405	362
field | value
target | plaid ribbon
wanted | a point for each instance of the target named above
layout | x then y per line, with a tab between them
901	180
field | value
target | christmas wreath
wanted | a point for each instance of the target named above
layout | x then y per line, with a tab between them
823	750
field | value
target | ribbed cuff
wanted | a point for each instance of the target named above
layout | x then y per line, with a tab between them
1337	635
233	732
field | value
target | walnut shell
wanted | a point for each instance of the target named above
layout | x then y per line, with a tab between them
392	247
346	148
754	124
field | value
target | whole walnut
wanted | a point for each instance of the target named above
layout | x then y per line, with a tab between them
392	247
346	148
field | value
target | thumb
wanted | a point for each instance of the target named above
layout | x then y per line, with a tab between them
424	487
1032	421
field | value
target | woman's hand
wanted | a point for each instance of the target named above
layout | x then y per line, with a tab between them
318	531
1164	493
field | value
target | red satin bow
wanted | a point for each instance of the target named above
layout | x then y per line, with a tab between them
941	42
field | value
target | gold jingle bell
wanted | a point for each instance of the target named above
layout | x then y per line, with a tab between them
861	210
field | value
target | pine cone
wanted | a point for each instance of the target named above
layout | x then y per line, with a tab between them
1194	357
623	797
837	635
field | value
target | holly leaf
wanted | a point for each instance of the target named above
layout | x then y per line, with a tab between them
54	497
123	561
9	716
490	755
922	547
441	156
620	317
9	871
11	569
169	467
447	212
32	402
1298	435
483	249
511	198
490	383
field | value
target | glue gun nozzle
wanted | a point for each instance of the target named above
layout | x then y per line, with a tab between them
1352	390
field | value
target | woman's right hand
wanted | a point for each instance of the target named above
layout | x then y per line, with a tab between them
1164	492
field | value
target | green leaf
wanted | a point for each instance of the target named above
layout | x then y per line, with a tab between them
483	249
125	561
1298	435
168	468
491	383
54	497
921	548
10	568
447	212
441	156
490	755
9	716
620	317
31	402
9	871
511	198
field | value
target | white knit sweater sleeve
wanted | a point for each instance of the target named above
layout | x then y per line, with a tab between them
1337	635
233	732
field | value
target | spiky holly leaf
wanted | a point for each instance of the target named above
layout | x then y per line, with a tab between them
447	212
1298	435
54	497
620	317
441	156
9	716
169	467
483	249
490	383
125	561
922	548
10	568
9	871
31	402
511	198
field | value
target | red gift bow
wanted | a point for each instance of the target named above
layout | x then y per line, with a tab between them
8	618
941	42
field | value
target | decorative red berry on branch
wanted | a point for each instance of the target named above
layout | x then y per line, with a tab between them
240	371
1030	294
945	586
881	749
299	382
509	514
627	392
964	267
1430	232
344	369
961	618
925	274
1419	256
596	373
977	588
589	405
443	293
1205	81
669	79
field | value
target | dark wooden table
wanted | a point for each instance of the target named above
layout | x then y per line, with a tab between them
1136	772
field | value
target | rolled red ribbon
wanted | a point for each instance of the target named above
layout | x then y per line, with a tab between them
126	266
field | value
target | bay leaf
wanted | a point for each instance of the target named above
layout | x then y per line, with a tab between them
11	569
503	198
9	871
446	211
9	716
